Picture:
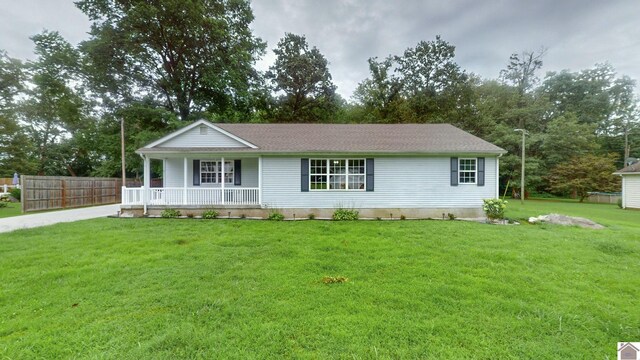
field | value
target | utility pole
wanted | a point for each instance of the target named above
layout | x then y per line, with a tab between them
124	173
524	132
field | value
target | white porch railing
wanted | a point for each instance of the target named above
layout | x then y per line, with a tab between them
191	196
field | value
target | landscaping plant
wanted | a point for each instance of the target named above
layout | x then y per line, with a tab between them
345	215
494	208
170	213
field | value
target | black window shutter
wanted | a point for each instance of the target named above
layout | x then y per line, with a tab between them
480	180
370	181
454	171
196	172
304	174
237	172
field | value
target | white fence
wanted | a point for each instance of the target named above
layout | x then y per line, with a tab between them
171	196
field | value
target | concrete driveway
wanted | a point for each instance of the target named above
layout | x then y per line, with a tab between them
54	217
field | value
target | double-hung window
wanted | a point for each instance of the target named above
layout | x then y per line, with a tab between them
467	170
211	172
337	174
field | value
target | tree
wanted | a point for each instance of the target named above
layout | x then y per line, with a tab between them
584	174
15	146
521	70
189	55
53	111
566	138
380	93
302	75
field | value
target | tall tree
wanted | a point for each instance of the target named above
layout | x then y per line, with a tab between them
302	75
53	111
189	55
380	94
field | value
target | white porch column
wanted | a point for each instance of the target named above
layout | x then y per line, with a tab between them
260	180
147	182
222	184
184	182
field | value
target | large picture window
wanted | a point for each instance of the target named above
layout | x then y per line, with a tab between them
211	172
467	169
337	174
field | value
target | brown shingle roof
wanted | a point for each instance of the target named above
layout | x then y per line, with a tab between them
357	138
633	168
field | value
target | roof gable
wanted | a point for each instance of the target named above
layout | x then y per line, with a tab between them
201	134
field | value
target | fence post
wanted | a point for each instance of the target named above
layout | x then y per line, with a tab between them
63	185
22	193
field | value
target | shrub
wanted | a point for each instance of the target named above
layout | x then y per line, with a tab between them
345	215
275	216
494	208
3	204
451	216
402	217
243	216
170	213
190	215
620	203
15	192
311	216
209	214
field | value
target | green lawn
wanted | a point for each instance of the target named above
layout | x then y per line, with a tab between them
12	209
168	288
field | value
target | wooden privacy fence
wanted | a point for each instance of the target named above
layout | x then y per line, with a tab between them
61	192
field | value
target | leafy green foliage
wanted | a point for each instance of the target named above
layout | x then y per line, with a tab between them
194	56
16	193
303	75
494	208
3	203
210	214
345	214
584	174
275	216
170	213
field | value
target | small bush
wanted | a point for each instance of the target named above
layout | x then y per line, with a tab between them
190	215
451	216
243	216
170	213
345	215
15	192
494	208
334	279
275	216
620	203
209	214
402	217
378	218
311	216
3	204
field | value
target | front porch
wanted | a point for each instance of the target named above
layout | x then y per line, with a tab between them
190	196
199	181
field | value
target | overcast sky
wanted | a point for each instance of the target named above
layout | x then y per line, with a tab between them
576	33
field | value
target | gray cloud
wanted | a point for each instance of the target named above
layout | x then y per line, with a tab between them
577	33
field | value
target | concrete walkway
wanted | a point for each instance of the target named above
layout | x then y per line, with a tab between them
54	217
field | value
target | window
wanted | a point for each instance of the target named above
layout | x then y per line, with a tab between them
337	174
211	172
467	171
204	130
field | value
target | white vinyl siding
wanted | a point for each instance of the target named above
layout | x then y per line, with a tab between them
197	137
409	182
631	191
174	173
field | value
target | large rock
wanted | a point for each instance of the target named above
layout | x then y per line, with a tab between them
565	220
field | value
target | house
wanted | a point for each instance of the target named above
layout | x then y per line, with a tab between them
383	170
630	185
626	351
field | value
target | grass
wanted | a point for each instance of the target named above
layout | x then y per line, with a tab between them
169	288
12	209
